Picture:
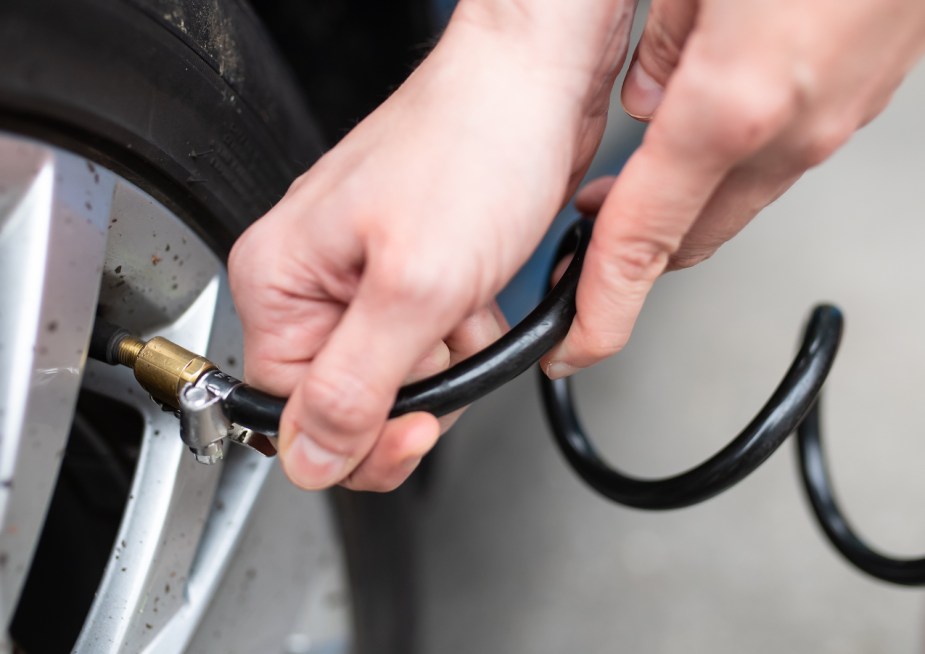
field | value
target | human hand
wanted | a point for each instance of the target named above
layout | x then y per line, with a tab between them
743	97
380	263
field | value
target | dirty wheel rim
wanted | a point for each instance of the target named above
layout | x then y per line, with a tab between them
74	237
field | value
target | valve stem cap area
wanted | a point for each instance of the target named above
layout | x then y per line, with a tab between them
127	350
162	367
113	344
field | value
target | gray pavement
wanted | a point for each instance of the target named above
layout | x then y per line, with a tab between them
519	557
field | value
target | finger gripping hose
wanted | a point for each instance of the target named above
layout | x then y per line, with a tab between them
469	380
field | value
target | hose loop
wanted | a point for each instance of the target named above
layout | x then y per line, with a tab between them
781	414
818	487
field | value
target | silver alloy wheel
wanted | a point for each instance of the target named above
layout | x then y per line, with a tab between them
220	558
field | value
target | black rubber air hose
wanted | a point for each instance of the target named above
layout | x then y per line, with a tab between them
777	419
816	482
468	380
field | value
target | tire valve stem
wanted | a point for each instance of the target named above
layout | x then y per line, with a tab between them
128	349
162	367
183	382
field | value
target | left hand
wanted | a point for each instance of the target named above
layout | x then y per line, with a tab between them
743	97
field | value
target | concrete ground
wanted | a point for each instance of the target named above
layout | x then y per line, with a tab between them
519	557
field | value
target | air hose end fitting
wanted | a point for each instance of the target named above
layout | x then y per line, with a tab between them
161	367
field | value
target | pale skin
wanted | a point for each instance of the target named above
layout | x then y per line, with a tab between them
381	262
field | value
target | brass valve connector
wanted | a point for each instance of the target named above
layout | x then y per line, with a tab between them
163	368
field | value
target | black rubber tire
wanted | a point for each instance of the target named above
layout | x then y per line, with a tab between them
190	100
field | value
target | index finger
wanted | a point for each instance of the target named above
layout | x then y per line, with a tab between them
706	124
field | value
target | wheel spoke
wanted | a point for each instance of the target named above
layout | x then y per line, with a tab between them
54	211
171	498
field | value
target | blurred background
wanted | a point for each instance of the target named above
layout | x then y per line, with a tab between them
520	557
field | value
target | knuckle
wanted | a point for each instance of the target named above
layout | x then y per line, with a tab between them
305	182
346	403
238	256
689	259
252	246
641	259
426	285
753	122
419	283
746	111
298	184
821	145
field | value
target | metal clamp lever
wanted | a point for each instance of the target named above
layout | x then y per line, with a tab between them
204	425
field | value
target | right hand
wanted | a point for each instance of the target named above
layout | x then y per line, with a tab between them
381	262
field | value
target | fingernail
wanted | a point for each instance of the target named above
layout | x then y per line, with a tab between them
641	93
312	466
559	369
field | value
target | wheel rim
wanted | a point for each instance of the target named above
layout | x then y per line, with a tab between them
73	236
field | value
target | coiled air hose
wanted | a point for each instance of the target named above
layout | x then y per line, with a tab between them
793	405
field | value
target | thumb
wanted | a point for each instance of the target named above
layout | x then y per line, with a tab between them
339	408
657	55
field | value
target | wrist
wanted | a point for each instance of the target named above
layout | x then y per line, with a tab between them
582	41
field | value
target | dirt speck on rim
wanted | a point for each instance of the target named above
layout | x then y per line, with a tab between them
155	259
